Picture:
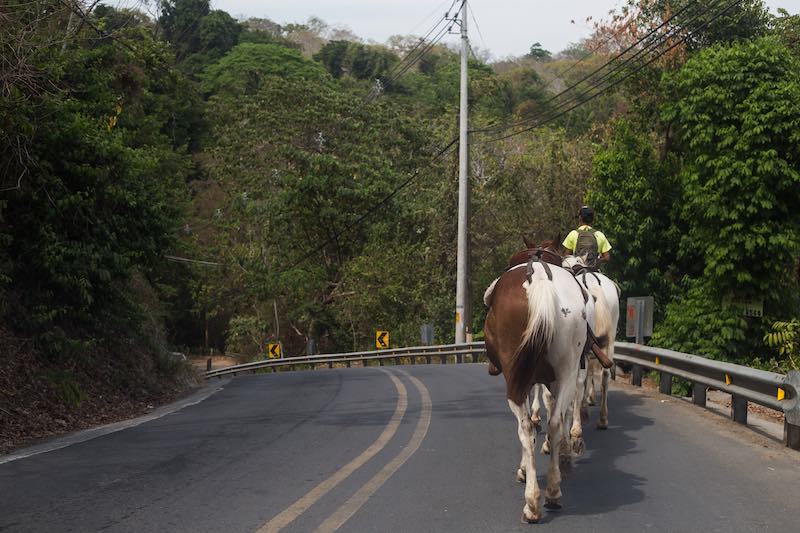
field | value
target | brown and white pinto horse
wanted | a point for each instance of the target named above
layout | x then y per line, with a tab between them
535	330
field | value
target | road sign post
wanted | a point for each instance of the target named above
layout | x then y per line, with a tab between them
638	324
639	318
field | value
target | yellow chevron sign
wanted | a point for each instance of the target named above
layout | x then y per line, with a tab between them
381	339
274	350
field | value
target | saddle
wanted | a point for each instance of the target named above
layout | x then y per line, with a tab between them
593	344
580	271
537	254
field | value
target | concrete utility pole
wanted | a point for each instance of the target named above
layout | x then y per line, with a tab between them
462	270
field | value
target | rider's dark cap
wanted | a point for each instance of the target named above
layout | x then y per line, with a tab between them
586	213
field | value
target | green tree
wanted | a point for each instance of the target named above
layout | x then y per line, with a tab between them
634	192
245	68
736	113
538	52
101	189
181	20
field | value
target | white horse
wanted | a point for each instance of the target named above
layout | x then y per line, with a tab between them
536	319
606	295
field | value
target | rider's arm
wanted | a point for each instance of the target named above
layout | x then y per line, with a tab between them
604	247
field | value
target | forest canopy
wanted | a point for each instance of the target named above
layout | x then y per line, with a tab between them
292	170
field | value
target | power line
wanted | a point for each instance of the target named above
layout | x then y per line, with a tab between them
410	53
616	64
617	82
618	68
428	16
409	60
185	260
415	174
477	27
588	54
374	208
420	55
423	39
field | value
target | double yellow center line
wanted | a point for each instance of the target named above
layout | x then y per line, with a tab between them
351	506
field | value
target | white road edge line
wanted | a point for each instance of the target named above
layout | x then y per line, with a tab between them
351	506
290	514
93	433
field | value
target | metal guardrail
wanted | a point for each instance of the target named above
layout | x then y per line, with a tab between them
443	352
745	384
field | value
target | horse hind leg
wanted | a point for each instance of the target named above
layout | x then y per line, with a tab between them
547	399
593	370
602	422
576	431
536	407
523	459
564	394
530	512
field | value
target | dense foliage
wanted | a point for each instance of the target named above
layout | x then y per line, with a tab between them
297	164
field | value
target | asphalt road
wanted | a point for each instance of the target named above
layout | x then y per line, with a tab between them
369	450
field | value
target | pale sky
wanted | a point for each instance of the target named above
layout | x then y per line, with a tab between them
508	27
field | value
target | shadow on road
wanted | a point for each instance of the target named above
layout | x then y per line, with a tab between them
597	483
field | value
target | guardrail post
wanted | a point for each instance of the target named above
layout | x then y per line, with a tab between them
459	358
791	435
699	394
208	365
428	359
443	359
380	362
791	410
636	375
330	364
347	363
397	361
739	409
665	383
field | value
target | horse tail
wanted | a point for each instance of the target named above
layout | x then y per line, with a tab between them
536	339
602	317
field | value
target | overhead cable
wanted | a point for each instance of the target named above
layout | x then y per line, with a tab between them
547	119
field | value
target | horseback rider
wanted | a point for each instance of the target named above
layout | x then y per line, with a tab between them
586	241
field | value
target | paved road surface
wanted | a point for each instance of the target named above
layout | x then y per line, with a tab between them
354	448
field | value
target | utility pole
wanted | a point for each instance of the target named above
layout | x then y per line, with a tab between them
462	271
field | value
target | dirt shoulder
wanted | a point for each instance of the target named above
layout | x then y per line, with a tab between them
42	398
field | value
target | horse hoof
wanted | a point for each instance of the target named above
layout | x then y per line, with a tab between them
537	424
546	448
591	402
553	504
520	475
578	446
529	516
602	425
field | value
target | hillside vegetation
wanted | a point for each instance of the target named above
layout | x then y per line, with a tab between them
184	181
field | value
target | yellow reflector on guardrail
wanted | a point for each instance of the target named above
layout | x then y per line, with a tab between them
727	379
658	360
781	394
